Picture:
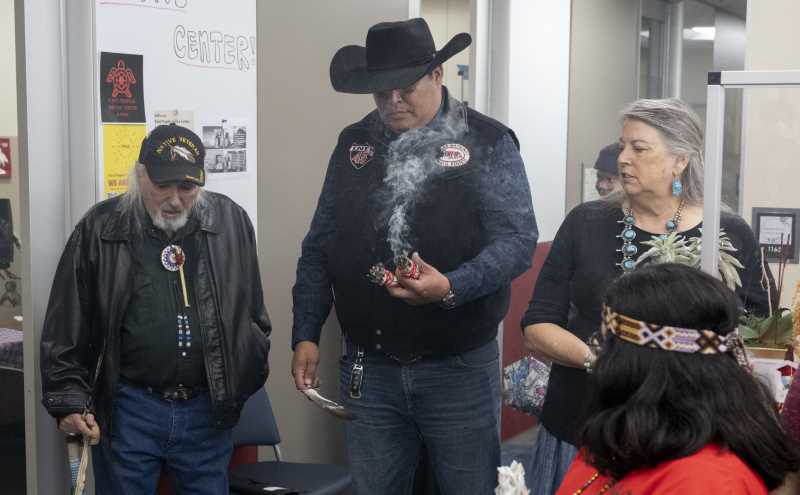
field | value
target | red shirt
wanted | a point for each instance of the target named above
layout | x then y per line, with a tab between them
713	469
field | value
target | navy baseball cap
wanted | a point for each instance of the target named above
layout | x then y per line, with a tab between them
607	159
172	153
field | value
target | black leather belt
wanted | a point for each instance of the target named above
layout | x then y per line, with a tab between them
405	358
172	394
169	394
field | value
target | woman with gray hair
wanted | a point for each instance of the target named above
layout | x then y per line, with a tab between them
656	217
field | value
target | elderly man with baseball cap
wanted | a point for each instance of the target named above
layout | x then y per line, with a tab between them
156	331
607	171
425	177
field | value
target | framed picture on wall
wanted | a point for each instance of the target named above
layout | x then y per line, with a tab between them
588	181
776	230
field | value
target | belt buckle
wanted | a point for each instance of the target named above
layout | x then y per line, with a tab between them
177	393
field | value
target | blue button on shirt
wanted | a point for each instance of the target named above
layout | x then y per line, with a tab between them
506	215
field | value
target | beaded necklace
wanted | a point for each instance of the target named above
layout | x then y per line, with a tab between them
594	477
628	235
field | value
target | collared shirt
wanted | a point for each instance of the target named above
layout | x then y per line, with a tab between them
506	216
155	352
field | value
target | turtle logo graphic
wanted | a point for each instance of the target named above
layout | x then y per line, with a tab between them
121	77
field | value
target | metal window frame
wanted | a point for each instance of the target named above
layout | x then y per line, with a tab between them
718	82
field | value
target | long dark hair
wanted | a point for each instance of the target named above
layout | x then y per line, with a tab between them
650	406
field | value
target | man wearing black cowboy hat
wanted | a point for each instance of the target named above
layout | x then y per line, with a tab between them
156	331
421	174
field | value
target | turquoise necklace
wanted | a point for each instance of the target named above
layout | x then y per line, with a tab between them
628	235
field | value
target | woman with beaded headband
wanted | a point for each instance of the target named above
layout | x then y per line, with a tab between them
656	217
674	407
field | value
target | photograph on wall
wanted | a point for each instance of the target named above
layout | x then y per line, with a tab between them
121	143
184	118
226	146
121	88
588	181
5	158
776	230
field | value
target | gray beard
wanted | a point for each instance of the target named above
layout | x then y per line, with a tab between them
169	226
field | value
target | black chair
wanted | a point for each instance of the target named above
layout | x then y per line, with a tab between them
257	426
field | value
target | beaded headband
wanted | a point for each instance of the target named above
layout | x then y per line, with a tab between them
669	338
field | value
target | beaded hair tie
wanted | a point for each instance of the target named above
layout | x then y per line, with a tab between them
669	338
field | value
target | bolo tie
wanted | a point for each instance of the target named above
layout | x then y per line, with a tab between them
172	259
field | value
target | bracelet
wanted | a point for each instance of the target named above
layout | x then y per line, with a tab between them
588	362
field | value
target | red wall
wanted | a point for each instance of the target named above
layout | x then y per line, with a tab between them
513	421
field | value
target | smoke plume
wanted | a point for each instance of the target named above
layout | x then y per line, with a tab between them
410	163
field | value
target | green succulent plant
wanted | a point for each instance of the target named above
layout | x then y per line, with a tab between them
676	248
775	330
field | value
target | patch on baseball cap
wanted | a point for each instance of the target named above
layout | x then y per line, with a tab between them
172	153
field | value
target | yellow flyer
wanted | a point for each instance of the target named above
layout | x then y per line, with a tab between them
121	144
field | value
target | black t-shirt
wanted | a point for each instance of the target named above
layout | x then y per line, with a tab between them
153	352
571	286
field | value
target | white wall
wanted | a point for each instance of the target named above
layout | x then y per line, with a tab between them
603	79
772	117
529	90
300	117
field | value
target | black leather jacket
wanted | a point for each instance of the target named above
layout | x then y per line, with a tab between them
91	291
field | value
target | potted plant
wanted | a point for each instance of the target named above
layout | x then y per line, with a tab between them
769	337
773	336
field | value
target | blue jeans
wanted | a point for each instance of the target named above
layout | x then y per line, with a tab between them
451	403
549	464
149	432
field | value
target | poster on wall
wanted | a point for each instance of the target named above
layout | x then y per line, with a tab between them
121	143
226	146
5	158
184	118
121	87
588	181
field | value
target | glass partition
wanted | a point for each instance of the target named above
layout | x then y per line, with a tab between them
770	177
763	182
12	406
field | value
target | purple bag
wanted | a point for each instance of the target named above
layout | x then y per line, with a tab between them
525	385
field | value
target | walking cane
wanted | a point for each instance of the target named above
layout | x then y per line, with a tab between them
78	456
78	445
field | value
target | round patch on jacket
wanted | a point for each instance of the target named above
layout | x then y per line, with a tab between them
453	155
361	154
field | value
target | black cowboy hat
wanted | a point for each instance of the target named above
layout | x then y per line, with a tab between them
397	54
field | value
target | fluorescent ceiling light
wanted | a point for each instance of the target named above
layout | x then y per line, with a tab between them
700	33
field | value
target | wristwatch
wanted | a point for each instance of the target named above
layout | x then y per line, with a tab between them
449	300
